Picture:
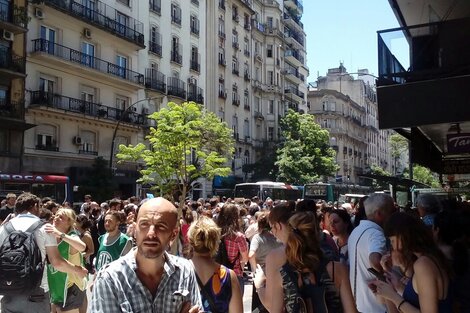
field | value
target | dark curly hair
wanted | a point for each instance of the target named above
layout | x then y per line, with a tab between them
228	219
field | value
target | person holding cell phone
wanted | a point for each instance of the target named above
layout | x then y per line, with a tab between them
428	289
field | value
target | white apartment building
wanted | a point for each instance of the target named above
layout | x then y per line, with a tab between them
365	146
97	68
260	49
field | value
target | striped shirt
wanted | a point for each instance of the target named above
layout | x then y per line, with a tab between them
118	289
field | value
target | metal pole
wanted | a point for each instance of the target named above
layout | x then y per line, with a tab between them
117	126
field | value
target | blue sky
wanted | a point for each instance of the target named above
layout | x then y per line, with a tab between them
344	30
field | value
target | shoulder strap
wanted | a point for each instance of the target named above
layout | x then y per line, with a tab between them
355	262
206	294
35	226
9	228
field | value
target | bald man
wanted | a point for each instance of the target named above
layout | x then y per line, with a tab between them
148	279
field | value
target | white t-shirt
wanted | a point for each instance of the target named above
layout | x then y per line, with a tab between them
372	240
23	222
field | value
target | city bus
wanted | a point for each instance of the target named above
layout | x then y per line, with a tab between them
54	186
268	189
332	192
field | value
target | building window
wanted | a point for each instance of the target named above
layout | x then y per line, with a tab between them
46	137
175	14
271	107
121	103
126	2
194	25
89	142
121	62
270	78
4	136
269	51
122	23
270	133
246	128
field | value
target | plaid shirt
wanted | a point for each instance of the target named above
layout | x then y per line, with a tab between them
236	244
118	289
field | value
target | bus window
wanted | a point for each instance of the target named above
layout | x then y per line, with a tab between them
45	190
247	191
16	187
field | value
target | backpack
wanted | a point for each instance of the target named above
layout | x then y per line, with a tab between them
308	297
21	264
222	256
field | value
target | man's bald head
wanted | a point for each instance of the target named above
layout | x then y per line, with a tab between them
160	204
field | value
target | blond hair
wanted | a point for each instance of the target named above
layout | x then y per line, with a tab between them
204	236
70	215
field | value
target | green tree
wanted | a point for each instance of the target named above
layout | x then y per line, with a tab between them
398	146
187	143
377	183
99	182
423	175
305	155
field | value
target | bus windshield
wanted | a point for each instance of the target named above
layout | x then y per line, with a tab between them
264	190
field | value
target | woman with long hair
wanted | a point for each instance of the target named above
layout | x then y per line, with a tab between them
219	285
235	241
260	246
269	286
83	226
341	227
415	252
67	291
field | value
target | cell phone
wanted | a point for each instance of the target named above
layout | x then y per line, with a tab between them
377	274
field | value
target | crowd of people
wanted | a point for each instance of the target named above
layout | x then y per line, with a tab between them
303	256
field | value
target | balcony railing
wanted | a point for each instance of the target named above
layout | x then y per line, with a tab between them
195	94
104	17
296	54
222	94
222	61
258	115
436	50
88	152
176	87
296	36
56	101
155	80
155	47
221	34
195	66
195	2
194	29
156	6
74	56
246	76
13	109
17	15
235	71
294	18
12	62
47	148
176	57
236	102
246	53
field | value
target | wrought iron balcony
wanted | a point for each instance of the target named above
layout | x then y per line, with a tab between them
88	152
155	6
155	47
195	2
194	30
222	60
155	80
246	76
235	71
74	56
56	101
236	102
13	14
195	94
12	62
104	17
176	57
47	147
176	87
12	109
222	94
195	66
294	54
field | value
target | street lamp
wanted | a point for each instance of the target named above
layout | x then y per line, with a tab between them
124	113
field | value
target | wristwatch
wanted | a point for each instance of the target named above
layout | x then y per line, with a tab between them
62	236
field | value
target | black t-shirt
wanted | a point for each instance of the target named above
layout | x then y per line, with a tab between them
4	212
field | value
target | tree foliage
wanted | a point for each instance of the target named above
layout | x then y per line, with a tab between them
187	143
423	175
398	145
305	155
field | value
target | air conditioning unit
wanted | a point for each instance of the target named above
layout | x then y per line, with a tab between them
8	35
38	13
87	33
145	111
77	140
